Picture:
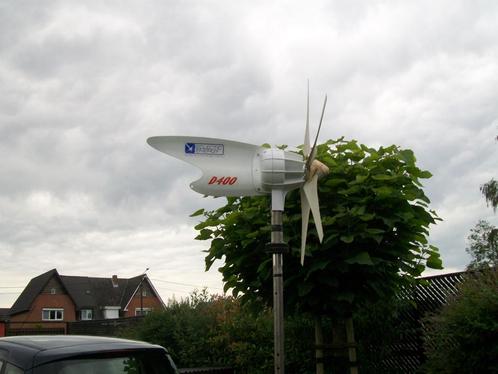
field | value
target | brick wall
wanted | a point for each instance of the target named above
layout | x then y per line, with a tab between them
45	300
149	301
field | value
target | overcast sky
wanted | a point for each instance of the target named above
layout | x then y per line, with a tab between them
83	84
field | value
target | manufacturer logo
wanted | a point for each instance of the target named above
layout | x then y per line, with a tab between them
204	149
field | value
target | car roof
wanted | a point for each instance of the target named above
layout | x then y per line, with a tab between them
29	351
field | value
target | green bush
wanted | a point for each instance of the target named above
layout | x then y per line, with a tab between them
209	331
463	336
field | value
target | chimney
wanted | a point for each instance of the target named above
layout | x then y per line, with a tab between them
115	281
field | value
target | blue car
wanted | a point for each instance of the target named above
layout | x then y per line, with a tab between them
69	354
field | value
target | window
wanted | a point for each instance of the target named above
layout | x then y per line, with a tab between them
52	314
86	314
146	311
111	312
113	363
144	292
11	369
52	291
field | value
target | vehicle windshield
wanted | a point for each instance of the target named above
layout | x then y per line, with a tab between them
144	363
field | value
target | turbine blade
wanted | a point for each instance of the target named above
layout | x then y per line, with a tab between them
310	189
320	124
306	144
305	216
313	150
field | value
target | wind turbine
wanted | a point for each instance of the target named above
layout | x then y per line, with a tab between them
231	168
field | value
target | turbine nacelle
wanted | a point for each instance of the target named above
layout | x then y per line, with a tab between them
232	168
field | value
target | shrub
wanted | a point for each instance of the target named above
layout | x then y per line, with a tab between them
463	336
208	331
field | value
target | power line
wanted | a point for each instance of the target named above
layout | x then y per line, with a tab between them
13	287
178	291
186	284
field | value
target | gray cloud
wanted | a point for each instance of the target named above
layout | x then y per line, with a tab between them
82	85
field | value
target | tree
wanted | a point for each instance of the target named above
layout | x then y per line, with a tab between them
490	193
376	219
483	245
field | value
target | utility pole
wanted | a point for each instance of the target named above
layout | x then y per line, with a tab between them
141	286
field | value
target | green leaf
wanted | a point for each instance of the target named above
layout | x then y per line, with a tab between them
332	182
434	262
360	178
358	210
197	212
347	238
375	231
264	269
383	191
204	224
204	234
362	258
367	217
315	266
424	174
407	156
217	244
383	177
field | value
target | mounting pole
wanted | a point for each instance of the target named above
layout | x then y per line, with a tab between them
278	292
278	248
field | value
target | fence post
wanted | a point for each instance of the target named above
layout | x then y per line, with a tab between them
319	345
351	346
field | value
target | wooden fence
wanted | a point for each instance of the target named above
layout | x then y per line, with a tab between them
207	371
104	327
12	331
407	354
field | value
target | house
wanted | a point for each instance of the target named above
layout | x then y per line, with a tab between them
4	317
50	300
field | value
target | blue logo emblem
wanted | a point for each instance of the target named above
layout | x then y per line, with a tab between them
190	148
204	149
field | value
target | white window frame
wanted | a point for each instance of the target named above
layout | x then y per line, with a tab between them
146	311
86	314
55	311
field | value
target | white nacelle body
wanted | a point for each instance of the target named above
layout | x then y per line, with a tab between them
232	168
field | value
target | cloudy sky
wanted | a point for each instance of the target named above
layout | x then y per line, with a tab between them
83	84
